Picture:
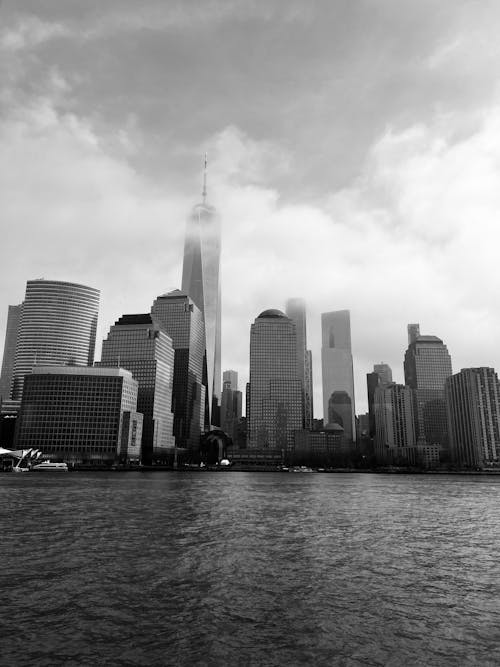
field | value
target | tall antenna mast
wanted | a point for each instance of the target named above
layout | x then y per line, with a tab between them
204	193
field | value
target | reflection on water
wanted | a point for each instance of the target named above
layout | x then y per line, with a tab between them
249	569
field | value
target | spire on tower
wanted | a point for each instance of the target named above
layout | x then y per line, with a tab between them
204	193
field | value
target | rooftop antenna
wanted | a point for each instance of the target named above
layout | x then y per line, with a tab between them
204	193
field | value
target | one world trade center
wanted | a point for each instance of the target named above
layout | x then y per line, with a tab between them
201	281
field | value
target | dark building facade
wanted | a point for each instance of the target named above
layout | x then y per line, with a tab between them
140	345
179	316
427	365
340	412
80	414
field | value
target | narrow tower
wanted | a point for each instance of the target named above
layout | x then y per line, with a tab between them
201	282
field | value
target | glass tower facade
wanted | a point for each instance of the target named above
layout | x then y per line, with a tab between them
275	392
336	359
473	403
201	282
140	345
57	326
427	365
296	311
179	316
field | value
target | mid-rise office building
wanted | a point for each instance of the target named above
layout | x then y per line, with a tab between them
9	352
80	414
336	359
201	282
140	345
473	403
57	326
427	365
179	316
275	393
296	311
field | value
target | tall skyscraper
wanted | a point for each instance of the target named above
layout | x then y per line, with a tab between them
9	351
473	402
384	371
232	378
427	364
231	404
336	359
140	345
57	327
275	394
200	281
296	311
183	321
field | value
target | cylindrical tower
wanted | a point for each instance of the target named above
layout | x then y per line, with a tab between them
57	327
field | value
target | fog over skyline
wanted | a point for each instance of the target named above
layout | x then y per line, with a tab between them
354	159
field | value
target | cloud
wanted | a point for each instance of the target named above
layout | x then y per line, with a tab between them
29	32
414	239
76	213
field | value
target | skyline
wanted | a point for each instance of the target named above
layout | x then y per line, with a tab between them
353	150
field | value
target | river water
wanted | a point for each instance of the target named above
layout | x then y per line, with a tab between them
249	569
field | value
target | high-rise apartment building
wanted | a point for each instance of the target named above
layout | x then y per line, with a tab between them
296	311
394	418
336	359
427	364
9	351
140	345
201	282
275	393
179	316
57	326
473	403
81	414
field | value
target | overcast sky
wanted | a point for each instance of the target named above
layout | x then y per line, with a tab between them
354	157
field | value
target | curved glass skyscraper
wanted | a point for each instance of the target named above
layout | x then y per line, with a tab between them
57	327
200	281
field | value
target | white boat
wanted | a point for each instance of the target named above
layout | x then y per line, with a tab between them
49	466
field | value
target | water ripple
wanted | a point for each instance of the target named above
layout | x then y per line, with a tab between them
249	569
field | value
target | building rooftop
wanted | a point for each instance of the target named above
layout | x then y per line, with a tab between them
82	370
141	318
428	339
272	313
